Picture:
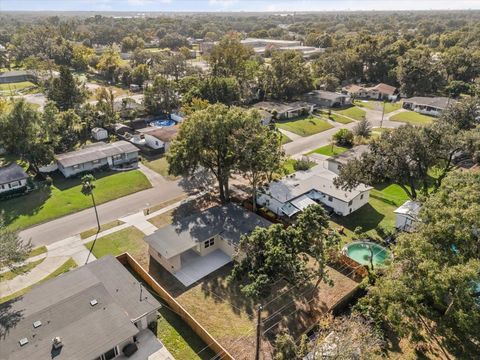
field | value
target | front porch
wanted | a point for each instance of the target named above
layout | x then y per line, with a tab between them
195	267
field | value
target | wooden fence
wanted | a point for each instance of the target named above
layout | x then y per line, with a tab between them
213	344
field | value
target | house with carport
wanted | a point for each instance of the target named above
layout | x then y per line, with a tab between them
195	246
291	195
119	154
322	98
433	106
380	91
284	111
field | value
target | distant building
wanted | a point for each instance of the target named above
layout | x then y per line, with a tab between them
16	76
262	46
433	106
12	177
195	246
285	110
294	193
99	133
407	215
96	156
97	311
323	98
380	91
335	163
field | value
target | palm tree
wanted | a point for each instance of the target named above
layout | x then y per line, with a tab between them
88	184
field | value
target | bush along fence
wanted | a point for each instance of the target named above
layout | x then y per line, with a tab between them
213	344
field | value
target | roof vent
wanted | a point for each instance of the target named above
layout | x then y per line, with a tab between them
23	341
37	324
93	302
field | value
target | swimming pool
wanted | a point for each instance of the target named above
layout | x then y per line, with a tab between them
363	251
162	123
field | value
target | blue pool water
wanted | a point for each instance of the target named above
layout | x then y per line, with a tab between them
162	123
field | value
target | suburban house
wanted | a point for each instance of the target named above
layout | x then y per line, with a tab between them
294	193
12	177
16	76
99	133
380	91
97	311
97	155
285	111
158	138
195	246
427	105
335	163
323	98
407	215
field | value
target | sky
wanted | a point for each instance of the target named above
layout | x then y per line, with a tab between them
234	5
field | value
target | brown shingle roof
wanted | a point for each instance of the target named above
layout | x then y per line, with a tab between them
165	134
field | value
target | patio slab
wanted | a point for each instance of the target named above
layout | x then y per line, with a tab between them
149	348
196	267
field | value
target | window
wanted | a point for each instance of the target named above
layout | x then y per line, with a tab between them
118	156
110	354
350	202
209	243
95	161
361	197
75	167
330	198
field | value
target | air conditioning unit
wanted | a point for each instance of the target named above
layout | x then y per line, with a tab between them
57	342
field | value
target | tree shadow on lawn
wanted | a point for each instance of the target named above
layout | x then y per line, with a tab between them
25	205
367	217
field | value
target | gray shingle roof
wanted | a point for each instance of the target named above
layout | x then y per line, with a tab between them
229	221
436	102
12	172
63	306
351	154
321	94
95	151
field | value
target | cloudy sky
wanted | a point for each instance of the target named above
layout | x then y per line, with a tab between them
235	5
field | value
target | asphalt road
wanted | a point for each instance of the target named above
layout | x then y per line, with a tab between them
64	227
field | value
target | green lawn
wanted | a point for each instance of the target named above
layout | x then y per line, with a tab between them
353	112
127	240
285	139
384	199
412	117
67	265
9	275
103	227
16	86
305	127
37	251
329	150
65	197
160	166
366	104
378	105
335	117
390	107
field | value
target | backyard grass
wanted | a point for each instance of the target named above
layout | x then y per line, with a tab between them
353	112
67	265
37	251
64	197
103	227
9	275
329	150
160	166
305	127
412	117
384	199
127	240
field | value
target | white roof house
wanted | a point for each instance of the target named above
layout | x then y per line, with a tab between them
294	193
407	215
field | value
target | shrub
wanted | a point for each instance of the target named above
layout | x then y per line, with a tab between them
363	129
303	164
343	137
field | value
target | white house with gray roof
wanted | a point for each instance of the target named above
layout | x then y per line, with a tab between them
98	155
97	311
12	177
292	194
195	246
433	106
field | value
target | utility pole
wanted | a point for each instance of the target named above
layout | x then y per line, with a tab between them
383	114
259	332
